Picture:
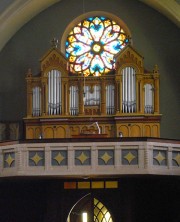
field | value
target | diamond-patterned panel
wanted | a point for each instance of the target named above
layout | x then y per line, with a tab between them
82	157
176	158
106	157
9	159
59	158
129	157
36	158
159	157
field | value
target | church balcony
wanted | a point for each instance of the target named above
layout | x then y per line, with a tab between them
89	157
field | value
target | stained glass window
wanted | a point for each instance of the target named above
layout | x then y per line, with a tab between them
101	213
92	44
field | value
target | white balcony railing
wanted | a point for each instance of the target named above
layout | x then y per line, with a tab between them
90	158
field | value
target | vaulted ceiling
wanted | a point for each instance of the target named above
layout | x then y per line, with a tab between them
15	13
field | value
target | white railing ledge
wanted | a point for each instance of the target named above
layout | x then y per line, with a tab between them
105	157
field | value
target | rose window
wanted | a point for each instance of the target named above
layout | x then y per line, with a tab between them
92	44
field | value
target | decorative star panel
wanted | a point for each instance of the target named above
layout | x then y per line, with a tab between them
129	157
36	158
159	157
9	159
176	158
106	157
82	157
59	158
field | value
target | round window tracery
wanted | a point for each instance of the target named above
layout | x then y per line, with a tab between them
92	44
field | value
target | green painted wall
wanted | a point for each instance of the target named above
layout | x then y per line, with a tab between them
154	36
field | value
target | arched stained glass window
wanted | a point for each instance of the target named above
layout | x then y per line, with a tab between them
92	44
95	210
101	213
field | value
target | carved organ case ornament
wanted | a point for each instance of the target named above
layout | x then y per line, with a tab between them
62	104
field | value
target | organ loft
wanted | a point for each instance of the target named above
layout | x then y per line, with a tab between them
64	104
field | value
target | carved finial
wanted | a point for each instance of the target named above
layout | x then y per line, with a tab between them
29	73
54	43
156	69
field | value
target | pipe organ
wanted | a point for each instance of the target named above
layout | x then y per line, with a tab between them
62	104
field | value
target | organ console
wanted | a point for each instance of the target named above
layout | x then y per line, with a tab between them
62	104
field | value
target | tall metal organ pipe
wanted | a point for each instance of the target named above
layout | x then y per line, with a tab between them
128	90
110	99
74	100
54	92
36	103
149	95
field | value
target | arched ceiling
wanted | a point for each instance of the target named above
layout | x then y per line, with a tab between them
169	8
15	13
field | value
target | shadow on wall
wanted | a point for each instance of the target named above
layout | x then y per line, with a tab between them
9	131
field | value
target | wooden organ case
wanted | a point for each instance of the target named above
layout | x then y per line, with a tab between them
61	104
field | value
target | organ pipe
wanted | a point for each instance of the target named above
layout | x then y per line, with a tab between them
148	99
92	98
123	96
74	100
58	93
54	92
110	99
51	92
128	90
36	109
